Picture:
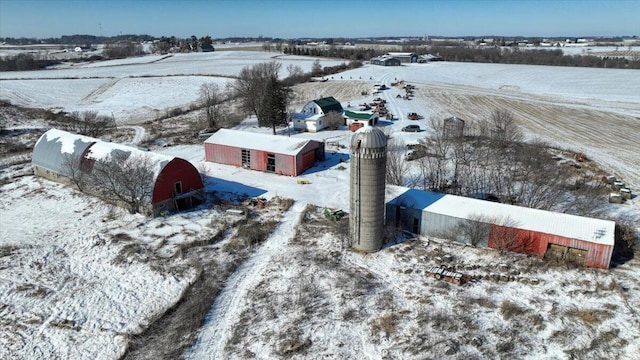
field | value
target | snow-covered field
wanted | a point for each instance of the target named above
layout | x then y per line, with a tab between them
78	278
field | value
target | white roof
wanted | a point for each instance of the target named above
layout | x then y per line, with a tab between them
400	54
101	150
276	144
571	226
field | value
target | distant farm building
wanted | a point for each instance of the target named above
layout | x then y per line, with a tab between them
356	120
177	183
429	58
453	127
206	48
271	153
385	60
404	57
312	117
545	234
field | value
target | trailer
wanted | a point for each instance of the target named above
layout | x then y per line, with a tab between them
442	273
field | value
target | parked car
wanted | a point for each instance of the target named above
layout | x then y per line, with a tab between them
411	128
414	155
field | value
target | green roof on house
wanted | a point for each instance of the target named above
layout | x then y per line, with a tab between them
328	104
357	115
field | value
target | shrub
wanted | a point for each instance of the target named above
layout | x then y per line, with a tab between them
510	310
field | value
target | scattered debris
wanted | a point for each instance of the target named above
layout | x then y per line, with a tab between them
258	202
334	215
304	182
413	116
442	273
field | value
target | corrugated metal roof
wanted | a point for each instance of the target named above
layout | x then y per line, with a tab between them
359	115
55	146
576	227
328	104
103	150
264	142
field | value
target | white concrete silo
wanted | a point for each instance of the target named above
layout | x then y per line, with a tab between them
367	188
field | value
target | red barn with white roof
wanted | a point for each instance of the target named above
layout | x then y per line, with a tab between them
272	153
586	241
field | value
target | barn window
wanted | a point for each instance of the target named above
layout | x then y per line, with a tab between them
246	158
178	187
271	162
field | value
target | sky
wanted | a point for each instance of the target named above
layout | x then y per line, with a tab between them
319	19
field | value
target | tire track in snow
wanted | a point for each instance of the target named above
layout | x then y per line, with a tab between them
228	306
138	135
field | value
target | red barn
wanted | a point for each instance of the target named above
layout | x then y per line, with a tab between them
272	153
177	184
582	240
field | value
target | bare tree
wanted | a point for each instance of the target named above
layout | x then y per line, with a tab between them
124	178
213	100
504	128
262	94
72	168
334	120
316	68
505	235
434	166
89	123
294	70
397	167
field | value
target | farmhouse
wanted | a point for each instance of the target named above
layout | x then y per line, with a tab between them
385	60
177	185
585	241
312	116
272	153
405	57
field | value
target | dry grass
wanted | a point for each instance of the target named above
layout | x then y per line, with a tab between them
385	324
510	310
590	317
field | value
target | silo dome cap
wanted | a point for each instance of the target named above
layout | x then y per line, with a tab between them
369	137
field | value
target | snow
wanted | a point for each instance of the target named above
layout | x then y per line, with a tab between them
72	284
229	304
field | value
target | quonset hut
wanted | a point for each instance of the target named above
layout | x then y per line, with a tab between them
367	188
177	185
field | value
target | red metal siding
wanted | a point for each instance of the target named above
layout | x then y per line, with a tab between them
222	154
286	165
289	165
308	159
536	243
176	170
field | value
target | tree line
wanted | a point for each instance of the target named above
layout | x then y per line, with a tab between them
463	53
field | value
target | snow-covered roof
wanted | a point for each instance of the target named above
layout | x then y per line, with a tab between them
55	145
276	144
401	54
103	150
571	226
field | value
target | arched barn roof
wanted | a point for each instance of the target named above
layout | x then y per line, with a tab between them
103	150
54	146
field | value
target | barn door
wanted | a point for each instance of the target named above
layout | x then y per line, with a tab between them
271	162
246	158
